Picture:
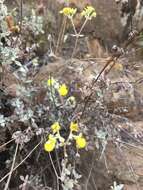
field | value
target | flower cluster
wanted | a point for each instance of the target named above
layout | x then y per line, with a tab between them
88	12
79	139
55	140
68	11
62	89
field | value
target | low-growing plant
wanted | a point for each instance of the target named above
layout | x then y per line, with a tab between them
88	13
48	115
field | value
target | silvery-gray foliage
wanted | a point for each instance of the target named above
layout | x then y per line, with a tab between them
117	187
3	10
9	55
35	22
23	113
2	121
69	182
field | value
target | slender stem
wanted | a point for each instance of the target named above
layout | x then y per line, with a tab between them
75	47
53	166
77	36
21	14
111	66
61	34
21	162
73	27
12	168
94	82
55	171
64	28
6	143
66	143
105	161
112	59
129	144
83	26
57	157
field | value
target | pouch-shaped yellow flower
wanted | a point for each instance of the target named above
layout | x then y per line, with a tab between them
50	81
80	142
55	127
63	90
50	145
74	127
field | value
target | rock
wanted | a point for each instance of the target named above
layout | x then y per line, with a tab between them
109	32
127	164
131	16
131	187
124	165
121	95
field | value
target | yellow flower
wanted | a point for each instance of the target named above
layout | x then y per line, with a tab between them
63	90
50	144
69	12
80	142
50	81
55	127
74	127
88	12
